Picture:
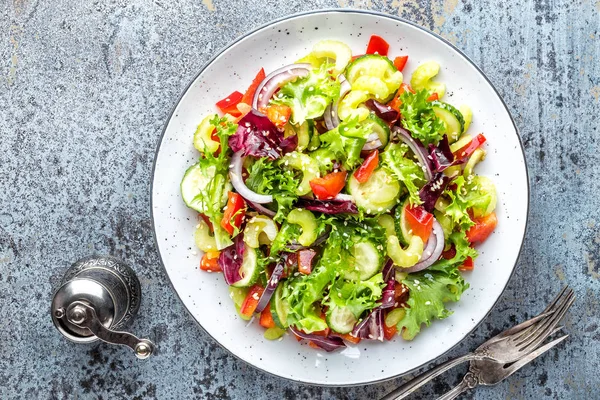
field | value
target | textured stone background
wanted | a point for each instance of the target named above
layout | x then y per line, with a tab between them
85	88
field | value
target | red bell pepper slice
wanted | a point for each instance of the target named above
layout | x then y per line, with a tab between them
467	150
468	265
279	115
234	212
419	221
483	227
363	173
251	301
377	45
349	338
229	104
249	95
433	97
400	62
389	331
209	262
396	102
266	318
328	186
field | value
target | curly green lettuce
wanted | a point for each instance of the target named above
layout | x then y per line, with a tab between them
305	294
346	142
215	194
419	118
476	194
308	97
404	169
430	290
266	177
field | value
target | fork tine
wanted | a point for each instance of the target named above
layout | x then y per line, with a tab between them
545	327
517	328
554	307
511	369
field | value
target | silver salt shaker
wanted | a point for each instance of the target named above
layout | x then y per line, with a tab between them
97	298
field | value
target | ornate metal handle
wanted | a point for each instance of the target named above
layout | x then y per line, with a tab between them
469	382
412	385
84	316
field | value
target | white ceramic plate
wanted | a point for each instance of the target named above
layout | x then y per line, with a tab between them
206	296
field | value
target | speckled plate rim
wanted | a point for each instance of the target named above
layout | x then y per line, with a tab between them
355	11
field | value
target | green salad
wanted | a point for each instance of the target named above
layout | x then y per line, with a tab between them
339	201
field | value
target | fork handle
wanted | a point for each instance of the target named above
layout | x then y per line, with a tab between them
468	382
412	385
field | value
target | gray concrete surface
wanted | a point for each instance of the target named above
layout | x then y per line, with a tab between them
85	88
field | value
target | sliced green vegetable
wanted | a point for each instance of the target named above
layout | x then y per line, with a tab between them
467	114
274	333
341	319
409	172
202	137
351	106
279	308
203	239
249	269
260	230
305	164
387	222
309	96
423	76
405	258
333	49
477	156
452	119
308	225
378	194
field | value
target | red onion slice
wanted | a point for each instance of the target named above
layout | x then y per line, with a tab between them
262	209
329	343
437	235
332	120
275	80
271	285
417	149
343	197
235	174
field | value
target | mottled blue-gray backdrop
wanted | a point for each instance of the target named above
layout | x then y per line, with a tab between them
85	88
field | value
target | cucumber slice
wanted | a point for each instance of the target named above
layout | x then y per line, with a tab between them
452	118
305	133
402	229
341	319
249	270
203	239
376	75
378	194
378	126
194	182
279	308
367	260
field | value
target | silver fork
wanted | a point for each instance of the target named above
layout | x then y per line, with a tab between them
490	373
507	347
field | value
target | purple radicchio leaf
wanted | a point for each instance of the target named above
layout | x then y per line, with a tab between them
257	136
230	260
432	190
329	206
